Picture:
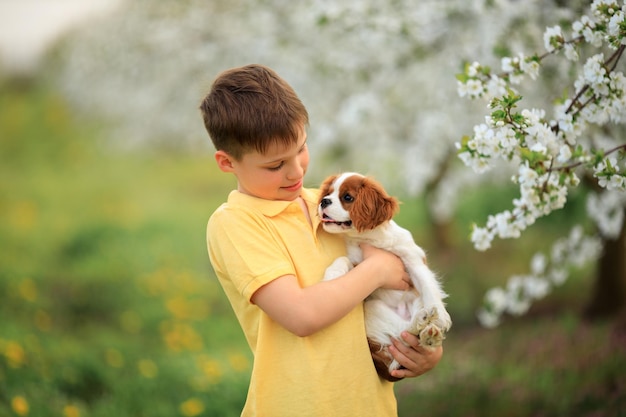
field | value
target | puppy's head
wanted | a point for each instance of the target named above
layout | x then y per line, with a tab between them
350	201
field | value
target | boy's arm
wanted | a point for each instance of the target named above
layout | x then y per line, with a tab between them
304	311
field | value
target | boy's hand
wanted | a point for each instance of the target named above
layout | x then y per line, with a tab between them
416	359
391	269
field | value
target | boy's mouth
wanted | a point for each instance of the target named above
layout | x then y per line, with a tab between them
294	187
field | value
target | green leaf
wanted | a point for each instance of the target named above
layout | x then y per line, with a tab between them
462	77
464	148
518	119
598	156
498	115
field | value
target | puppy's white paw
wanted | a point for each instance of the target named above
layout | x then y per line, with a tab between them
440	317
431	336
429	326
338	268
420	321
444	320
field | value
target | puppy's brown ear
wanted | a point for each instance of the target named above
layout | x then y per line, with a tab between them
325	188
372	206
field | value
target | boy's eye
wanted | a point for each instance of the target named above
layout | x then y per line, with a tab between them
276	168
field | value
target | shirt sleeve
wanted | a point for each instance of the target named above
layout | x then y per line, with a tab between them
246	250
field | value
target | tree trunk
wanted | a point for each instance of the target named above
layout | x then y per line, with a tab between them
442	232
608	297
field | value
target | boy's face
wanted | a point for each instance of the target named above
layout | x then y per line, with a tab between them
276	175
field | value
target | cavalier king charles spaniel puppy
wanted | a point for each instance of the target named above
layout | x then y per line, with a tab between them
359	208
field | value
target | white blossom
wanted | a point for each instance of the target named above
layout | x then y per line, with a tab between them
546	272
558	276
614	24
538	263
586	27
565	153
571	53
607	210
531	68
506	140
497	299
594	71
472	70
601	98
496	87
552	38
535	287
488	318
472	88
539	147
481	238
517	301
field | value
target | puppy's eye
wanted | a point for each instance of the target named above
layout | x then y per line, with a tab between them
347	198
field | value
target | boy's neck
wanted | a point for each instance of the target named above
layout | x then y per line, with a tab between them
305	209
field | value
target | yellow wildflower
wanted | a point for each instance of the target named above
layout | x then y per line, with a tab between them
28	290
212	369
147	368
19	405
23	215
187	309
15	354
179	336
192	407
239	362
114	358
71	411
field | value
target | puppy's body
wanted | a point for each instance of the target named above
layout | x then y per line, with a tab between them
359	207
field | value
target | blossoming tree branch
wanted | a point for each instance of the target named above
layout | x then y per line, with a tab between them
552	152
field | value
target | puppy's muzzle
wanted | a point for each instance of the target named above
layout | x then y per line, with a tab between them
325	202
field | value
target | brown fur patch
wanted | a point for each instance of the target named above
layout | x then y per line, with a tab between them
371	207
326	188
382	359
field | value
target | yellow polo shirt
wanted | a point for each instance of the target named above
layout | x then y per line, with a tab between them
251	242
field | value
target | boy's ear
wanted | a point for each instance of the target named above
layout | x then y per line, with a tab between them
224	161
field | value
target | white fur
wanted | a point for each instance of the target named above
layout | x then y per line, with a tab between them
389	312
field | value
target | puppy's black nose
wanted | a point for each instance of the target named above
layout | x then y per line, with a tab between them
325	202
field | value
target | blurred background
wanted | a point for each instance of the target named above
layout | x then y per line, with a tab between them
108	304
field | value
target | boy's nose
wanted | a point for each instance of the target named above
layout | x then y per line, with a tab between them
296	171
325	202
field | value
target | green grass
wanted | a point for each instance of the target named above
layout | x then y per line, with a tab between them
557	366
108	305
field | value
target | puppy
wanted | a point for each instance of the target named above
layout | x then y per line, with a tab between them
359	208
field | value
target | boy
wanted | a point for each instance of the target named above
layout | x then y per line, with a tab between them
311	356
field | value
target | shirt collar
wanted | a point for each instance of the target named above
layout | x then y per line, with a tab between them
272	208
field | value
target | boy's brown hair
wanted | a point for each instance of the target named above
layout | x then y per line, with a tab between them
251	107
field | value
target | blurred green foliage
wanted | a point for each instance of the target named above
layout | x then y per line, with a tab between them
108	305
107	302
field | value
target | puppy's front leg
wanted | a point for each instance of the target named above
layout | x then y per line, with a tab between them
355	254
339	267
